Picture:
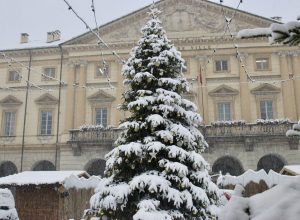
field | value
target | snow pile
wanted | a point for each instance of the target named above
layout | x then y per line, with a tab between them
293	169
228	123
7	205
271	179
295	132
277	203
81	182
273	121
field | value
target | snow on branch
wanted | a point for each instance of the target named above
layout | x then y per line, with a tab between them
287	33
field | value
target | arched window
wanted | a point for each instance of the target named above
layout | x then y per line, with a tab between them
43	165
7	168
273	162
95	167
228	164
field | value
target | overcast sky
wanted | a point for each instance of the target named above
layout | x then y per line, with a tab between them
36	17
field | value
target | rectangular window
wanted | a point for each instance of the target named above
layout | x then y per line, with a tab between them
221	65
266	109
102	71
9	123
224	111
262	63
101	116
13	76
49	73
46	123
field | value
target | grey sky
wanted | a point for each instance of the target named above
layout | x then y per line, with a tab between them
36	17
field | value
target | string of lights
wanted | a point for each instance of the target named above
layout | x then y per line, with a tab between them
104	69
10	60
114	53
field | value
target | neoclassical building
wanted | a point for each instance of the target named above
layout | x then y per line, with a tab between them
48	91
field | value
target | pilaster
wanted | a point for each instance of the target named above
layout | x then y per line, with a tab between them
70	97
296	72
289	106
244	92
81	96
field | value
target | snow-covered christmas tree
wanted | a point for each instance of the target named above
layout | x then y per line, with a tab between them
156	171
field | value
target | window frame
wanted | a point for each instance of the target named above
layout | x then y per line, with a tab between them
45	78
4	122
260	108
221	58
95	118
13	81
266	57
218	110
40	122
100	76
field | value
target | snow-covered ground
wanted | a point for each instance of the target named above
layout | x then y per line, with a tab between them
278	203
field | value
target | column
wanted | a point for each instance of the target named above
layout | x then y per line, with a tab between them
296	72
289	106
244	93
81	96
70	97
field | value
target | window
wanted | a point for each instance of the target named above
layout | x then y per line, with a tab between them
46	123
221	65
13	76
101	116
102	71
49	73
266	109
262	63
9	123
224	111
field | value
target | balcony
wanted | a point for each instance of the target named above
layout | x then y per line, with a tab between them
248	134
92	137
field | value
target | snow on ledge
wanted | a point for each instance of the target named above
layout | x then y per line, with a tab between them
271	179
40	177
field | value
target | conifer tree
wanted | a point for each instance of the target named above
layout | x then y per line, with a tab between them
156	171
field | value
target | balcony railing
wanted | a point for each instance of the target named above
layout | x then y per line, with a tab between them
246	130
94	135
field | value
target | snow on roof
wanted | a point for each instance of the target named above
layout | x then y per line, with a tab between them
32	45
272	178
39	177
294	169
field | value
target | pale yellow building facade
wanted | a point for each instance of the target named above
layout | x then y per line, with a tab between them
230	80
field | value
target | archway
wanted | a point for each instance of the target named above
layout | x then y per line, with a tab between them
228	164
43	165
271	162
95	167
7	168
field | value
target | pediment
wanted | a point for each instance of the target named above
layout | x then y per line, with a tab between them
101	96
10	101
46	99
184	18
223	90
265	89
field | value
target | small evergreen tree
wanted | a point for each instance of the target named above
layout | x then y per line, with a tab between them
156	171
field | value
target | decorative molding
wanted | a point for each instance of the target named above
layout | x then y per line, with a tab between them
101	96
46	99
10	101
265	89
223	90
